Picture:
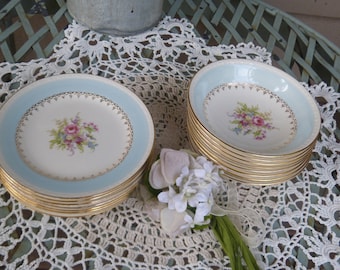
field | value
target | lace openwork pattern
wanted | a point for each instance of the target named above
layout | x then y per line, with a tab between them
301	217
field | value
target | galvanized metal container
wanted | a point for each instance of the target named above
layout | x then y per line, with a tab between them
116	17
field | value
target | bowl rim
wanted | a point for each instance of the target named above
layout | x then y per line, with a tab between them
197	78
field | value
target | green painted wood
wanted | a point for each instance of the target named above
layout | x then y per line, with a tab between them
296	48
24	36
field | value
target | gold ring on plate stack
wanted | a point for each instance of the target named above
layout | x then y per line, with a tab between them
256	121
74	145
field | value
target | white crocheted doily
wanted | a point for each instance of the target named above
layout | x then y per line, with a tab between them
300	217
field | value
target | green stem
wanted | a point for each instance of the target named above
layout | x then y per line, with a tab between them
233	244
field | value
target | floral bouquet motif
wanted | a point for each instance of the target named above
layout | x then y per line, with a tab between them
249	120
186	185
73	134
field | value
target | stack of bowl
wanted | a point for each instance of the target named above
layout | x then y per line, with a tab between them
256	121
74	145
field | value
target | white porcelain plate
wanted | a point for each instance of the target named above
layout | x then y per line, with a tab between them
74	135
254	107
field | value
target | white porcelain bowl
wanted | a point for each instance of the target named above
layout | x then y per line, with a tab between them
254	107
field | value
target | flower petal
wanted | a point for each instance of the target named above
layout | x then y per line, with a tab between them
172	162
200	173
202	210
163	197
180	203
194	164
198	198
153	207
173	222
156	178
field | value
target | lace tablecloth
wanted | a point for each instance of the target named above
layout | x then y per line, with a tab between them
301	217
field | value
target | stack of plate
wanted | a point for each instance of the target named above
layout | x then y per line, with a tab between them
74	145
253	119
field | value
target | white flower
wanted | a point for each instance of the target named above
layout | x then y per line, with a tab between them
189	184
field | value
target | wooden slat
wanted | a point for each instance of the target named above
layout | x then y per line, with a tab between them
296	48
30	36
299	50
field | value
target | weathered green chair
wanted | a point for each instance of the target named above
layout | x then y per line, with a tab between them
29	29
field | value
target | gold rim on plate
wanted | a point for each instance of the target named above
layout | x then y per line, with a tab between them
72	207
239	165
198	136
194	122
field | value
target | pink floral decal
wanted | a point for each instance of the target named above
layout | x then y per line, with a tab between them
73	134
249	120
